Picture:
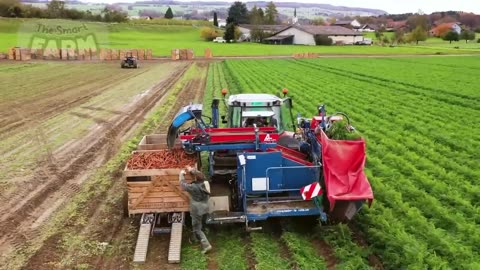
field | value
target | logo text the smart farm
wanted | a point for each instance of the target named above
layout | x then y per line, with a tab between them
62	35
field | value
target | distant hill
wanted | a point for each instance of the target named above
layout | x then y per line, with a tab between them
327	7
304	10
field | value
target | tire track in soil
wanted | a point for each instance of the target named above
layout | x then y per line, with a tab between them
251	261
157	257
359	238
14	122
325	251
276	227
61	183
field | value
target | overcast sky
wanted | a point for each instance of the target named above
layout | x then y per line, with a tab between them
391	6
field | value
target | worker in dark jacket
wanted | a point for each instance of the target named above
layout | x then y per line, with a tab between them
199	191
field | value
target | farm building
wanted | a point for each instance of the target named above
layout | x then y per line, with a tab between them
368	28
305	35
246	29
445	27
348	24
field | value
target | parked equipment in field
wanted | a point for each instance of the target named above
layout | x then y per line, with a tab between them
264	163
129	62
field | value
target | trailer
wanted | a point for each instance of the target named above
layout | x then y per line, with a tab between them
156	195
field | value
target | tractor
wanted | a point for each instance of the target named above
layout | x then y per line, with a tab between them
129	61
264	162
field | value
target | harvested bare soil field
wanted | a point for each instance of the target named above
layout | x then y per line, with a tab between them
59	124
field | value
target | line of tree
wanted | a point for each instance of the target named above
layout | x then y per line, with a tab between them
57	10
239	14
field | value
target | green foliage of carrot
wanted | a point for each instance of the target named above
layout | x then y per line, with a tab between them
422	157
267	252
340	130
302	251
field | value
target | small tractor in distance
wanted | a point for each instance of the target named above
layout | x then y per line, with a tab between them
129	61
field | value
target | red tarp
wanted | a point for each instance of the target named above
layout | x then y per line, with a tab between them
343	163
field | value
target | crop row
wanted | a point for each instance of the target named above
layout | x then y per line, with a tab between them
425	178
250	78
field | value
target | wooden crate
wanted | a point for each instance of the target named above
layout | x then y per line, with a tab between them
26	54
208	53
175	54
155	190
190	54
11	54
183	54
64	54
115	54
71	54
39	54
149	54
18	54
141	54
156	142
159	194
94	54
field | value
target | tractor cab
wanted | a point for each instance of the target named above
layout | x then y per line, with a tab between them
261	110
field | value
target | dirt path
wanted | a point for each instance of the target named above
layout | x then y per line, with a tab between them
60	177
102	217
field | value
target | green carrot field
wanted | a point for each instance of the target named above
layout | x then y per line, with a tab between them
420	117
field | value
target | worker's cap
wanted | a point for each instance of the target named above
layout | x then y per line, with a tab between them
199	176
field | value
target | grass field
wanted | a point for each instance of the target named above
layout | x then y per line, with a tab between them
163	38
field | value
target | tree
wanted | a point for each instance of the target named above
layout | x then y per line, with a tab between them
399	36
209	33
56	9
256	15
261	15
258	35
215	19
229	32
451	36
271	13
111	15
332	20
379	34
237	13
318	21
467	35
415	21
169	13
419	34
386	40
323	40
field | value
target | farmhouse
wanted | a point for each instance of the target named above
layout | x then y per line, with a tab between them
368	28
445	27
246	29
305	35
348	24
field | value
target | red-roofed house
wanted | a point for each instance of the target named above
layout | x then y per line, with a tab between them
444	28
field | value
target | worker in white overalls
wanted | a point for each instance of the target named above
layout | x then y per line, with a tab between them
199	191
